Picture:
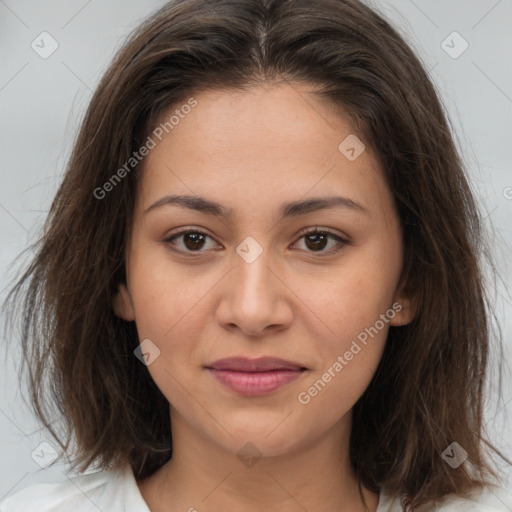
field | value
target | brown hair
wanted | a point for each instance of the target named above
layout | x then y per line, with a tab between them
428	390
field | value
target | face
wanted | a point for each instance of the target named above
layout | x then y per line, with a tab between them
251	279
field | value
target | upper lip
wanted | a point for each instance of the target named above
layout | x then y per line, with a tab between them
262	364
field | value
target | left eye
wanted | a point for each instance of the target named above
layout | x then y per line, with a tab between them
315	240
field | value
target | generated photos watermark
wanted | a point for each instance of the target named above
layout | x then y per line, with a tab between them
304	397
137	156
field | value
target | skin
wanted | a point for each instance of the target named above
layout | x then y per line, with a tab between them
251	151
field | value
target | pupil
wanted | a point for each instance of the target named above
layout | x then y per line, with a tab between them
196	238
316	237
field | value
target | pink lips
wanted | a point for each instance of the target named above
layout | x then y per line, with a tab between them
255	377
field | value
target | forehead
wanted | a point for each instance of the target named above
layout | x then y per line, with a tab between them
260	144
284	116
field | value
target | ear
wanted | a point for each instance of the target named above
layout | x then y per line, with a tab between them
123	305
404	306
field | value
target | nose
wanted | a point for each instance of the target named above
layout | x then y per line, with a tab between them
255	298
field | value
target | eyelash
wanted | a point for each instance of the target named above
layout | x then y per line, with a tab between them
342	242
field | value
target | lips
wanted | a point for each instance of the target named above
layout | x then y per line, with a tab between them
255	377
263	364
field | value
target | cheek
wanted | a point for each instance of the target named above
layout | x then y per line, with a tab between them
171	308
348	319
167	296
344	306
331	395
173	321
349	352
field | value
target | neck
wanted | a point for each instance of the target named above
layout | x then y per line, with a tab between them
204	476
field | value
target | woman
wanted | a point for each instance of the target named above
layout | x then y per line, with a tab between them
258	287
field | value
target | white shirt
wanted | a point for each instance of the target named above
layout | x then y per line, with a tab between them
117	491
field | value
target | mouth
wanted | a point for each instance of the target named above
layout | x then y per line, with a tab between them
255	377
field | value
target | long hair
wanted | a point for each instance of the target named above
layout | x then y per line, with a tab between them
429	388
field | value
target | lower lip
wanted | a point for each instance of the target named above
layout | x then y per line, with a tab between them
255	383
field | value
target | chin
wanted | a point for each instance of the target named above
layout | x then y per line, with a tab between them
258	446
270	437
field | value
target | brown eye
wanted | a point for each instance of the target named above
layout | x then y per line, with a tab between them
316	241
191	240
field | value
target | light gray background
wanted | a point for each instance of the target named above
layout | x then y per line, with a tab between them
43	100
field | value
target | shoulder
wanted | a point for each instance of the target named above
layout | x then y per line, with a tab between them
109	490
481	499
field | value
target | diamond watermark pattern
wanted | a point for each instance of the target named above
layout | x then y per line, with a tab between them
147	352
44	45
351	147
454	455
249	249
249	455
454	45
44	454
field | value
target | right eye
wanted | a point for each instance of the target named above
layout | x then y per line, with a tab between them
192	240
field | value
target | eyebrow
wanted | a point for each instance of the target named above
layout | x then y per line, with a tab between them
290	209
